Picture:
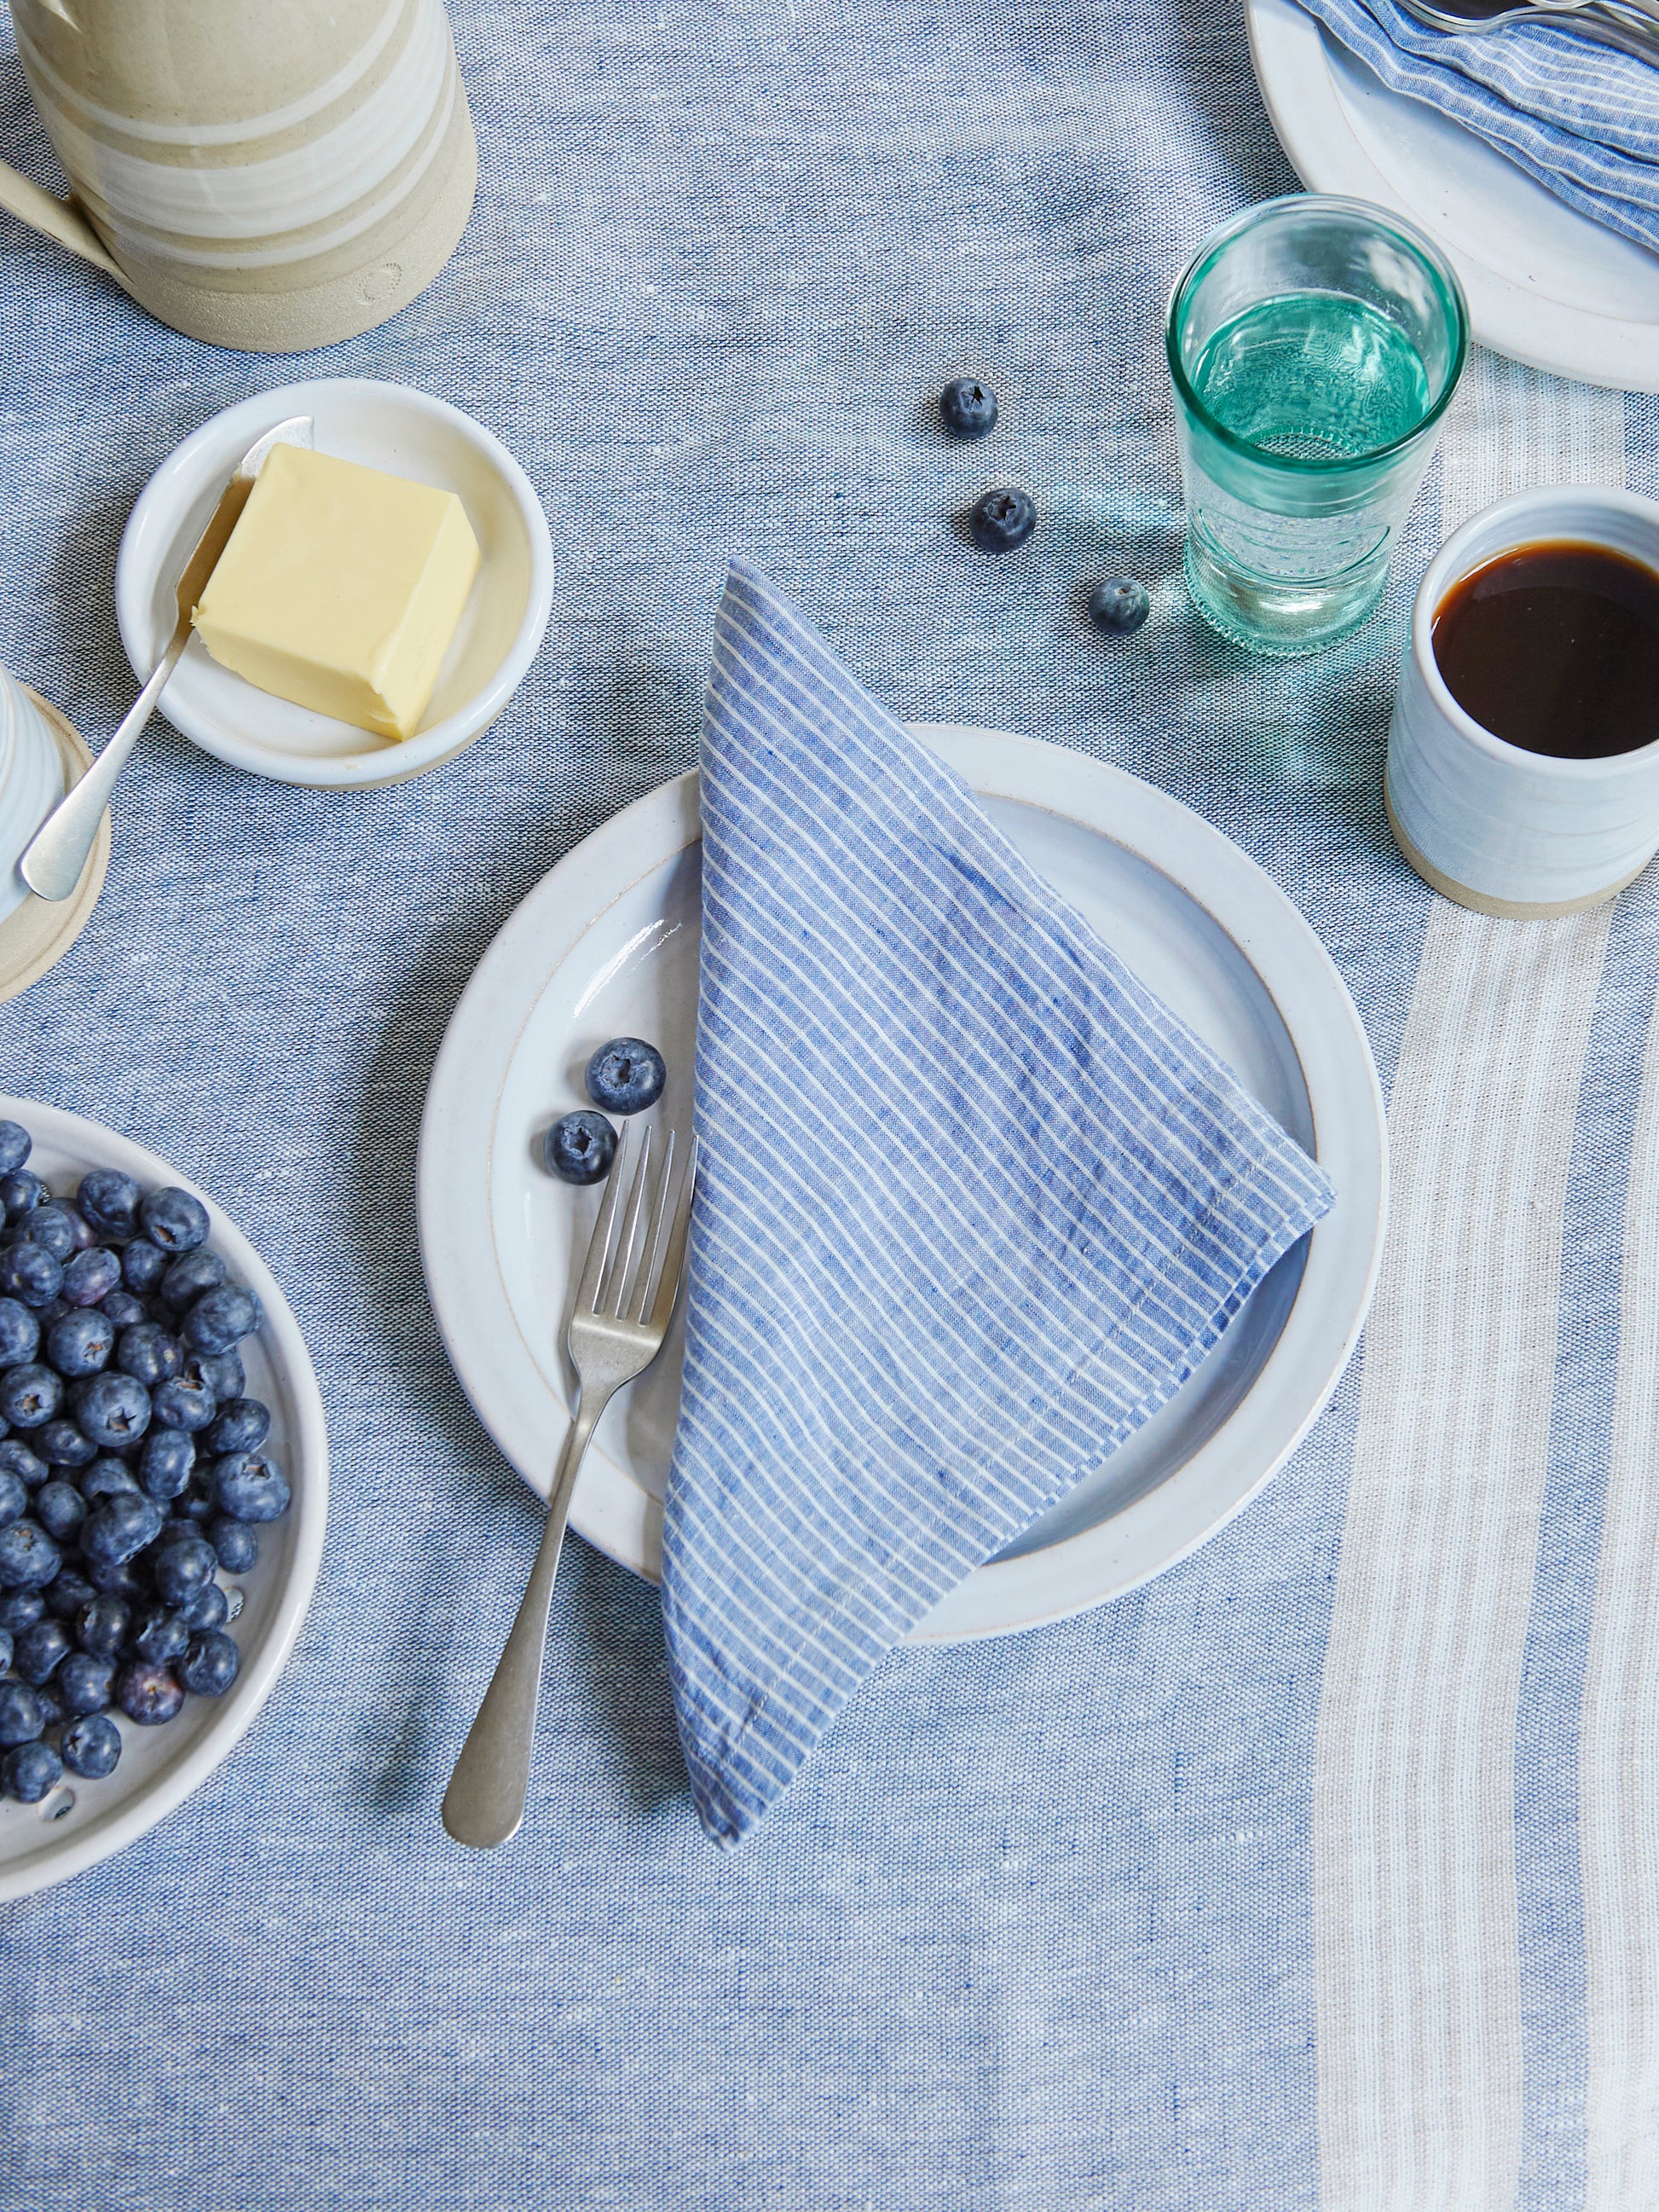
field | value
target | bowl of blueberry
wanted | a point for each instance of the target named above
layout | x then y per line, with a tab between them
163	1490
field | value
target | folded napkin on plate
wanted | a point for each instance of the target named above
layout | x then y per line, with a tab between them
973	1202
1582	118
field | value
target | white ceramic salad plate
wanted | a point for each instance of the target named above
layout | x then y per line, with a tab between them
1545	284
81	1822
607	946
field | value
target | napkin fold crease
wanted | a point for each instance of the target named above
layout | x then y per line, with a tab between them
973	1204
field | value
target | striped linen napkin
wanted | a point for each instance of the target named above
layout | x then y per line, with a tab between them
1580	117
972	1204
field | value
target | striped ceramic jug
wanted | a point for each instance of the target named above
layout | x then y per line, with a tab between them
271	174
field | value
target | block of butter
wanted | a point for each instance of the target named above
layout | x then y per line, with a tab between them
340	589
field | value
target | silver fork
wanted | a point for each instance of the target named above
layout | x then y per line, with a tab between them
624	1302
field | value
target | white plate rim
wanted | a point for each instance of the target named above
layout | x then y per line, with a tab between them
73	1854
1288	52
172	487
464	1281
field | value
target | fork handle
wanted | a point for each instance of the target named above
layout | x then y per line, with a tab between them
484	1802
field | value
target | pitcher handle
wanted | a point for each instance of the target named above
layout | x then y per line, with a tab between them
59	220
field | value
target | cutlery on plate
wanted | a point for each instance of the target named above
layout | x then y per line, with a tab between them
1632	26
54	859
624	1302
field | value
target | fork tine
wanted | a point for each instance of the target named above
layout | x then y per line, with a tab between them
598	1249
613	1299
674	1258
639	1301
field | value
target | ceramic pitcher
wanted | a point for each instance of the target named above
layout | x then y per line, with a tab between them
271	174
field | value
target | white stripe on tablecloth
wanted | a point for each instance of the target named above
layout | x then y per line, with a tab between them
1416	1949
1619	1738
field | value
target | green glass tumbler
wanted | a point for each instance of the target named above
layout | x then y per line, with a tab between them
1315	344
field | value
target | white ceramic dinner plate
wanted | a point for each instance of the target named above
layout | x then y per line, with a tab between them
607	946
81	1822
1544	285
383	426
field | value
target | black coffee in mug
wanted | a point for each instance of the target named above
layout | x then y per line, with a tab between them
1554	648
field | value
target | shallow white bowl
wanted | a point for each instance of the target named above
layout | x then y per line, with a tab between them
384	426
43	1843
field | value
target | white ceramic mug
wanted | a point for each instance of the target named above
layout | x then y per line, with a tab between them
271	174
30	784
1498	828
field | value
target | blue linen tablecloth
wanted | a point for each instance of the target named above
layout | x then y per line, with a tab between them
1311	1875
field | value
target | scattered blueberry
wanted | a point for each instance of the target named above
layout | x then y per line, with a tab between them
183	1568
143	1266
184	1401
107	1477
84	1682
969	408
1119	606
221	1319
241	1425
208	1608
250	1486
112	1409
28	1557
174	1220
91	1746
236	1542
30	1771
91	1276
210	1665
165	1462
17	1459
30	1395
14	1498
20	1192
147	1694
626	1076
579	1147
123	1309
118	1531
81	1343
149	1353
20	1334
38	1651
51	1224
60	1509
20	1608
21	1719
1000	521
161	1635
16	1146
60	1443
29	1274
109	1200
101	1628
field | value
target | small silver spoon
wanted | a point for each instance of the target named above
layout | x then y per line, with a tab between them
1632	26
56	856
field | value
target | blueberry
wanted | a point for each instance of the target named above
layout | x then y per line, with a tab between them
29	1274
60	1509
14	1498
91	1276
118	1579
969	408
208	1608
1119	606
241	1425
237	1543
16	1458
161	1635
197	1506
38	1651
30	1771
147	1694
143	1266
1000	521
579	1147
49	1225
60	1443
109	1200
107	1477
211	1665
112	1409
54	1309
20	1334
29	1396
101	1628
183	1401
221	1319
81	1343
149	1353
84	1682
20	1608
626	1076
16	1146
251	1486
20	1192
21	1719
174	1220
165	1460
119	1529
91	1746
224	1374
182	1568
186	1280
66	1593
123	1309
28	1557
